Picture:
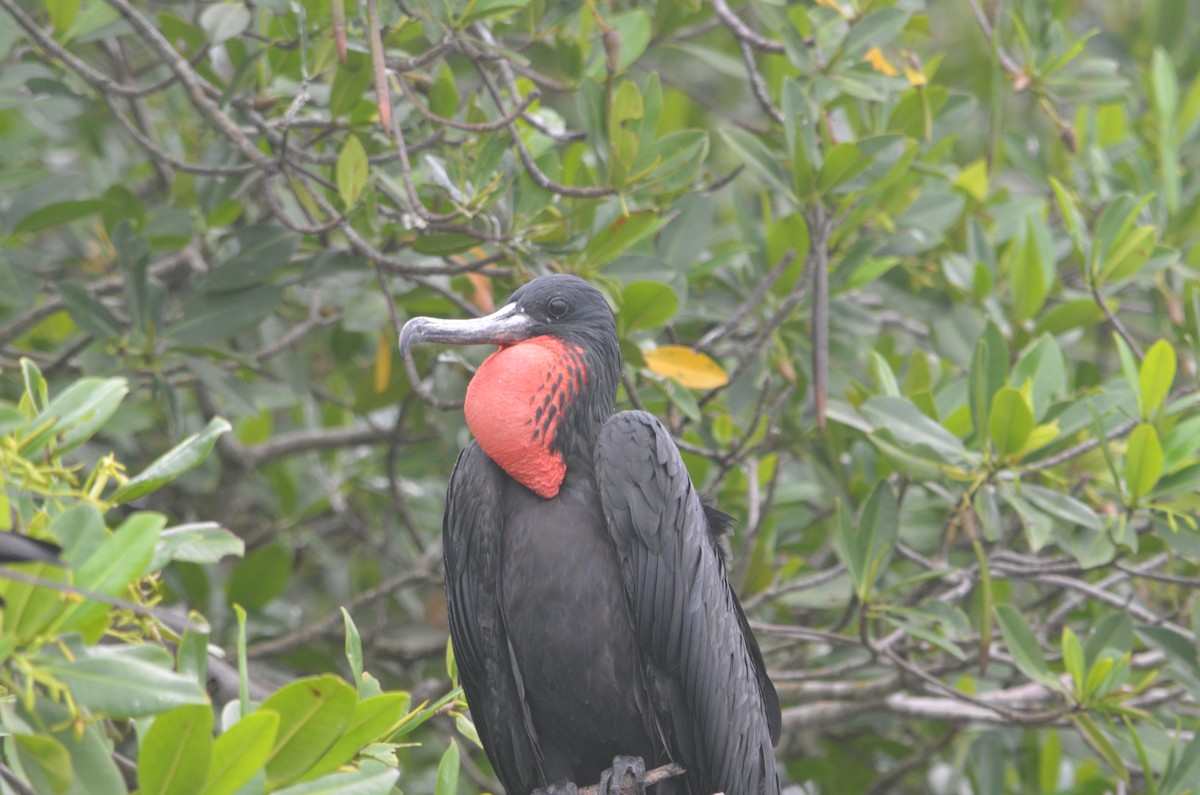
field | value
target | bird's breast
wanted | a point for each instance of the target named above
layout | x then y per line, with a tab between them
567	621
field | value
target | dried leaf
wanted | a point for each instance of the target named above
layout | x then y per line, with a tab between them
693	370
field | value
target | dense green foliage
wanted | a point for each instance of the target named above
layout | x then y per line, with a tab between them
914	287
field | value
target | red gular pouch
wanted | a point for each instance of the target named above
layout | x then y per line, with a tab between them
514	405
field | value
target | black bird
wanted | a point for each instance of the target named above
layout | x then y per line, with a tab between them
589	608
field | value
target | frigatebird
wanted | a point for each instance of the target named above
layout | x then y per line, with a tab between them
592	622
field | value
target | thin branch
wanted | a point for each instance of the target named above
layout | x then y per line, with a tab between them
191	82
743	33
759	85
1014	70
629	788
1083	447
333	623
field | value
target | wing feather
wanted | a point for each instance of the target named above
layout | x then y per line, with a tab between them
471	535
722	711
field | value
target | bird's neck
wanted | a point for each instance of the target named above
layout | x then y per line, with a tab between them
523	403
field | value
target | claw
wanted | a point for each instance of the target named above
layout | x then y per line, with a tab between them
612	781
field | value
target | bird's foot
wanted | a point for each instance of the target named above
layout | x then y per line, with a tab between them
559	788
631	768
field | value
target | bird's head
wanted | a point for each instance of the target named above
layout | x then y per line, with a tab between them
543	396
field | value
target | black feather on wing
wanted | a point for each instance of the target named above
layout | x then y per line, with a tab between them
471	539
720	711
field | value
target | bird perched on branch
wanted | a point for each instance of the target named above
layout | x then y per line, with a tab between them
592	622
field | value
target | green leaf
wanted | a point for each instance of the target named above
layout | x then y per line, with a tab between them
89	312
878	27
350	84
1073	660
646	305
1101	744
93	770
443	97
988	372
121	559
1049	761
373	721
123	683
1062	506
1023	645
1030	270
1113	635
484	9
77	413
372	778
224	21
1011	421
176	751
192	654
759	159
62	13
619	236
1071	216
1164	86
200	542
352	169
263	249
1156	377
1143	461
53	215
354	652
313	713
184	456
443	244
911	426
1130	255
623	130
447	772
261	577
843	163
241	752
213	317
45	761
867	549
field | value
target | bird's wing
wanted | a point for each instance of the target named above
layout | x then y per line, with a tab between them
721	711
471	535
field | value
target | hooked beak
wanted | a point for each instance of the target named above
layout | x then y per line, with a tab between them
507	325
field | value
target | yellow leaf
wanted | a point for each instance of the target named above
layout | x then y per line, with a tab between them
835	6
693	370
383	361
879	62
915	78
974	180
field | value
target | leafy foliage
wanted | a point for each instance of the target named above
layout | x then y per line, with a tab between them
914	288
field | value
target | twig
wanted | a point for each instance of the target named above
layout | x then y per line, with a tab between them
1121	328
629	788
333	623
739	29
1081	448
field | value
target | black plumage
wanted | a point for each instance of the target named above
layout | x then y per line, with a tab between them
590	615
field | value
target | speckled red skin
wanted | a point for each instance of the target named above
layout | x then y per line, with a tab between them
514	404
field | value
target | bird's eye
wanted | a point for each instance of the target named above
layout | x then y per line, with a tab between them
558	306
